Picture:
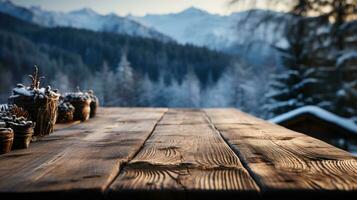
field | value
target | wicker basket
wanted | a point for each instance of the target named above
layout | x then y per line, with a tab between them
6	140
6	122
81	103
22	134
41	104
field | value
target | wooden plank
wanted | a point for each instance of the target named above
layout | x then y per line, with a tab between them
230	116
185	157
184	116
61	126
286	162
85	157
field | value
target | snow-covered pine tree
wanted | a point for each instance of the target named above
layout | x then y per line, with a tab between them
219	94
146	91
339	73
162	94
345	89
345	34
186	94
316	67
126	86
294	87
62	82
191	90
103	84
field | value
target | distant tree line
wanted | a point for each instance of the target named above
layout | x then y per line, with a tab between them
80	53
126	71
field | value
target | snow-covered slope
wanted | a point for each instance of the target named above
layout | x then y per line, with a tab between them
241	33
84	18
220	32
193	26
16	11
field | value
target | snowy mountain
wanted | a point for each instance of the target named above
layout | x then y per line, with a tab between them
84	18
220	32
240	33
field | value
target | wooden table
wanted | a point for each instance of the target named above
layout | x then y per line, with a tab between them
147	153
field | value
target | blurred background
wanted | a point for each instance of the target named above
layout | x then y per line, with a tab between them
293	61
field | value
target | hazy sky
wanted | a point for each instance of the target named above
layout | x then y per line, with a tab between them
135	7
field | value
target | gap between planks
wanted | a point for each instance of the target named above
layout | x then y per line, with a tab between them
285	163
201	162
77	160
237	152
122	165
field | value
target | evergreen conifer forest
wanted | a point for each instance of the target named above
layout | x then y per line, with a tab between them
317	65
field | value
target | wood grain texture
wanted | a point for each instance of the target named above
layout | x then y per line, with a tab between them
185	155
62	126
85	157
284	161
156	153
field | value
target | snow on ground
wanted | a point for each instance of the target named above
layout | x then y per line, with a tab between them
318	112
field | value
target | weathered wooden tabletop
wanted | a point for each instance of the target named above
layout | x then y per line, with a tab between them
179	154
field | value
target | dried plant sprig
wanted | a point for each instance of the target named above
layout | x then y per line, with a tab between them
35	79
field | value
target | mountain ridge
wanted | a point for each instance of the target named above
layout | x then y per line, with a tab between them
206	29
82	18
234	33
203	29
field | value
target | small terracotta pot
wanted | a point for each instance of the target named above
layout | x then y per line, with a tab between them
82	110
64	116
65	113
81	103
94	104
22	134
6	140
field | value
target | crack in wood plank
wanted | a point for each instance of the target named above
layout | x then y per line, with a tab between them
236	151
181	157
124	163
